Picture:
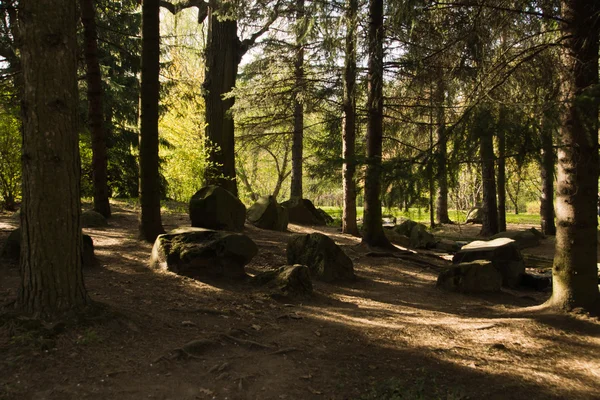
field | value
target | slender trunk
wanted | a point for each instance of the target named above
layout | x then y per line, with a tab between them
575	279
547	175
430	177
349	123
372	227
488	177
501	183
222	60
95	108
150	219
297	145
51	276
442	149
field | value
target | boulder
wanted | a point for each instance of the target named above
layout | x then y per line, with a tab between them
324	258
388	221
523	239
473	277
93	219
420	238
12	249
12	246
267	214
303	212
405	228
503	253
396	238
475	216
200	253
537	281
447	246
213	207
326	217
289	280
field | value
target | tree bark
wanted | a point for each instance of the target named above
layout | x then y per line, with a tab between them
547	174
488	177
51	276
575	279
297	140
222	59
95	108
150	219
442	150
349	123
372	226
501	183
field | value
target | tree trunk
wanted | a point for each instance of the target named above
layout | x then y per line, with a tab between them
349	123
51	276
297	145
372	226
222	60
150	219
547	175
486	148
442	149
575	279
95	108
501	184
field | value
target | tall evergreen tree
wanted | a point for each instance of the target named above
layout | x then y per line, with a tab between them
150	218
95	108
575	279
349	122
372	227
51	275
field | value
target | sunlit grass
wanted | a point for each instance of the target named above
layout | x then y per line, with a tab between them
422	215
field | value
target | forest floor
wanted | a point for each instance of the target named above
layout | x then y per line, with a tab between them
389	335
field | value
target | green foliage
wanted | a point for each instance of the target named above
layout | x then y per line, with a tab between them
10	152
181	126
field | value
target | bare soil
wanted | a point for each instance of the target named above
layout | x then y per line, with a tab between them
389	335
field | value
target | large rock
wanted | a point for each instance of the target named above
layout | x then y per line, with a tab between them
12	246
475	216
323	257
303	212
503	253
396	238
405	228
267	214
93	219
12	249
420	238
213	207
473	277
523	239
447	246
200	253
289	280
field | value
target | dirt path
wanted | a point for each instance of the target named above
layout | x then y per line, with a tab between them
390	333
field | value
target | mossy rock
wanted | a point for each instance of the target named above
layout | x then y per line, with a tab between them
324	258
289	280
396	238
303	212
475	216
473	277
213	207
199	253
524	239
93	219
420	238
267	214
502	252
405	228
